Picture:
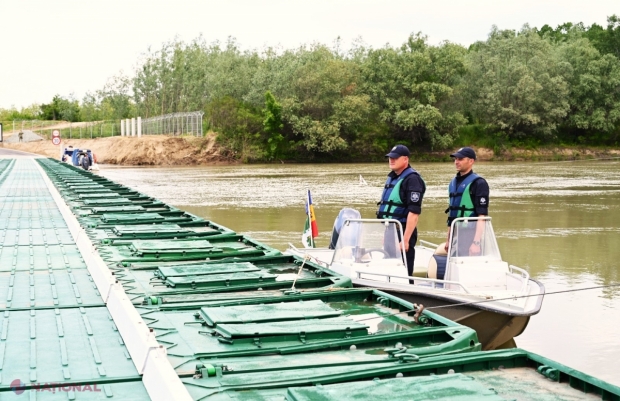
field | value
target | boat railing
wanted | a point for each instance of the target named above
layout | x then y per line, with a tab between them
525	276
433	281
428	244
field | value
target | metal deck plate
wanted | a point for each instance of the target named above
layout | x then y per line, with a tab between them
38	236
313	309
48	289
199	269
221	280
99	196
56	345
104	202
40	257
118	209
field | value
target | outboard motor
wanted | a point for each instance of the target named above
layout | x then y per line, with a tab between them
344	215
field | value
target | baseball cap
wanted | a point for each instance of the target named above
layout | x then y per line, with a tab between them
398	151
464	152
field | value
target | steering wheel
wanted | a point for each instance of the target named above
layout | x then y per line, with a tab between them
369	251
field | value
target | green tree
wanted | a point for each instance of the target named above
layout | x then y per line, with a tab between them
187	77
239	126
412	89
90	109
515	85
115	99
272	125
606	40
67	109
320	83
594	80
31	112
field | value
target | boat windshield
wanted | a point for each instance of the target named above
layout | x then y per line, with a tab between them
464	243
365	240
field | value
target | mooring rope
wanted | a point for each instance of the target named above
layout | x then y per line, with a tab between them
496	299
526	296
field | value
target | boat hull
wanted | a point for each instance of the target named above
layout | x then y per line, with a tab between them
495	330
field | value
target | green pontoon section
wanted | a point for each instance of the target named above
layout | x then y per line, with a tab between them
216	247
194	282
240	321
57	338
324	323
490	375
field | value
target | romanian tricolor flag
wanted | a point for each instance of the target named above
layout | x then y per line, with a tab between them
311	230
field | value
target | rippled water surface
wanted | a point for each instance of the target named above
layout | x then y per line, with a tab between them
560	221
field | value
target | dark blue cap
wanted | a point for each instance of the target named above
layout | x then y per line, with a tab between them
464	152
398	151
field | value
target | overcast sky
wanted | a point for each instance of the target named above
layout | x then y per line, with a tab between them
50	47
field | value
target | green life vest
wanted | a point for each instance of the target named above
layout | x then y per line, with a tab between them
461	203
391	205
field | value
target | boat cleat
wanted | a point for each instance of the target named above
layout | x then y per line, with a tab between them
418	312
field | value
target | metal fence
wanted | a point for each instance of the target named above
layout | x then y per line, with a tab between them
170	124
89	130
174	124
31	125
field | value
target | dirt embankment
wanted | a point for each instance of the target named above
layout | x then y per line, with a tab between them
547	153
161	150
151	150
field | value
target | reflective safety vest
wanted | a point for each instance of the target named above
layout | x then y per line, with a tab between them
391	205
461	203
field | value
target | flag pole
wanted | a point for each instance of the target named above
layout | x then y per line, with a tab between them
309	215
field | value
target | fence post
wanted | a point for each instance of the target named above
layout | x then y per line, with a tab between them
139	129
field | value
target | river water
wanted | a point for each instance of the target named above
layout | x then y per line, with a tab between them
558	220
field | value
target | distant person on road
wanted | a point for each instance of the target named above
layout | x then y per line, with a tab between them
21	136
469	197
402	200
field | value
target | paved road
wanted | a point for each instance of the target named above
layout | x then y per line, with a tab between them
13	153
29	136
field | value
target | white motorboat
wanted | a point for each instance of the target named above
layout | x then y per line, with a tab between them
481	291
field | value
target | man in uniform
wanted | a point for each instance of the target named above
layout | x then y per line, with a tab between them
402	199
469	197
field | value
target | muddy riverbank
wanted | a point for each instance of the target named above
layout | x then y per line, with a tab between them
161	150
152	150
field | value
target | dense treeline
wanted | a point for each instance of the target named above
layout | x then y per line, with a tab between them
529	87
